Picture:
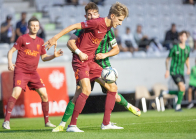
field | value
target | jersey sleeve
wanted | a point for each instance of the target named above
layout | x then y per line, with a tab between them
43	51
112	39
90	24
78	32
18	43
171	52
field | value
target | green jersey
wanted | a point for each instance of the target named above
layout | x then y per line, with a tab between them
193	76
107	42
179	57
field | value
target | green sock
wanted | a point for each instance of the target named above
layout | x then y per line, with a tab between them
123	101
173	92
68	112
180	97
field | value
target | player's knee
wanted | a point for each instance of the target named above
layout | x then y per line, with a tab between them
86	91
44	97
113	87
118	99
16	92
182	88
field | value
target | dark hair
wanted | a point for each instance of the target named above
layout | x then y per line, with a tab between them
182	32
32	19
91	6
173	24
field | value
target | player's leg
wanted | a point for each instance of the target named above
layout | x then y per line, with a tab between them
45	106
10	105
68	111
190	90
181	87
109	104
79	104
122	101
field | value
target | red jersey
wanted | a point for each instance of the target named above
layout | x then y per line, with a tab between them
29	51
89	41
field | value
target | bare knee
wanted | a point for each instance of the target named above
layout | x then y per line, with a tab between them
86	90
182	87
113	87
118	99
43	94
16	92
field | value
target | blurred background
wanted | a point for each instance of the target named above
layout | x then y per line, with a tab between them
151	30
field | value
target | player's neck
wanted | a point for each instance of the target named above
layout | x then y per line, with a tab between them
33	36
182	45
108	22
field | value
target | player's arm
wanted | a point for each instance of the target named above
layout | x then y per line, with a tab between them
188	65
53	41
167	67
9	56
46	57
71	44
171	53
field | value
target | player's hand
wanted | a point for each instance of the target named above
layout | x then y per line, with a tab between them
50	43
58	53
11	66
83	56
167	74
100	56
188	71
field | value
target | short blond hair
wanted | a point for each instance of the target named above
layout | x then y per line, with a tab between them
119	9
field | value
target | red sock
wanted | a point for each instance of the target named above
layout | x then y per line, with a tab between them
109	106
80	102
45	109
10	106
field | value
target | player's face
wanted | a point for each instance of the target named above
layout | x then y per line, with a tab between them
116	20
183	38
92	14
34	27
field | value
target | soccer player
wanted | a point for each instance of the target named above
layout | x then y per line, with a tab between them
84	66
30	49
102	56
192	86
180	56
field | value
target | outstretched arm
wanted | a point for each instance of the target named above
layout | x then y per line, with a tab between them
46	57
53	41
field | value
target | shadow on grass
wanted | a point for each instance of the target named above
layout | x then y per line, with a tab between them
18	131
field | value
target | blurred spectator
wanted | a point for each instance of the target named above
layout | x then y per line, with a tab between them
118	39
7	31
190	41
189	2
128	42
171	36
141	39
21	26
98	2
144	42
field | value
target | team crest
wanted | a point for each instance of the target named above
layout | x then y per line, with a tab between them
38	46
18	82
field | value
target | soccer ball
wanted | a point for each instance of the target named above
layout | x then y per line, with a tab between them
109	75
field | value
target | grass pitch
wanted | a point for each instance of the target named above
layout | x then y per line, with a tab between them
152	125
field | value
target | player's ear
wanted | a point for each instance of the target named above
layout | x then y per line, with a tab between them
112	16
85	16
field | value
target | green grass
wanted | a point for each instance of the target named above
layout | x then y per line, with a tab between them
152	125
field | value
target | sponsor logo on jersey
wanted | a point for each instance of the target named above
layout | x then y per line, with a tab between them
99	32
38	46
177	52
56	78
27	43
28	52
96	40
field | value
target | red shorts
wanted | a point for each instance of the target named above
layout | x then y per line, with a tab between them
32	80
87	69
